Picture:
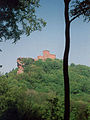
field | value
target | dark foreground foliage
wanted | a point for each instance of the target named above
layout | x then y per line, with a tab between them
38	93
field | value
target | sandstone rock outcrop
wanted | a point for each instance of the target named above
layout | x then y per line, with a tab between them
20	64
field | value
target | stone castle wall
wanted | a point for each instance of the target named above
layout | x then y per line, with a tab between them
46	54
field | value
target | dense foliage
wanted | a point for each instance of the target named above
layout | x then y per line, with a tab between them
19	17
38	93
80	8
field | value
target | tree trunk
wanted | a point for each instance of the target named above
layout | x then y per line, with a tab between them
65	62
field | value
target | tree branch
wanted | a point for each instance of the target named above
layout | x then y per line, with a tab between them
81	8
0	66
0	50
74	18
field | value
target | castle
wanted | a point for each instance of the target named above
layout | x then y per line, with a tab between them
46	54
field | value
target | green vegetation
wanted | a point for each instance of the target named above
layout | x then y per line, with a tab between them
19	17
38	93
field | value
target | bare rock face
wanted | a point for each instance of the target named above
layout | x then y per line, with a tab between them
20	63
20	66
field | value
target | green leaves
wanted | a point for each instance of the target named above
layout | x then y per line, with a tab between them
19	17
80	8
38	94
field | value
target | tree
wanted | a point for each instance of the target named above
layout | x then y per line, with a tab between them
0	51
78	8
18	17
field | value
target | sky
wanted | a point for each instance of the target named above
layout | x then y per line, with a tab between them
50	38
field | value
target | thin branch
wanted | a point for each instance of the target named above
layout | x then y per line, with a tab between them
0	66
80	10
0	50
74	18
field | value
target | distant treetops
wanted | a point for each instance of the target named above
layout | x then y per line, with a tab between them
21	61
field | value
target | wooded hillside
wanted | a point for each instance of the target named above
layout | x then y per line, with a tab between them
38	93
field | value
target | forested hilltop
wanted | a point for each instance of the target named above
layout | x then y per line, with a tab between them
38	93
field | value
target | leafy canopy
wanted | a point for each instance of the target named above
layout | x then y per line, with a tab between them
80	8
37	94
18	17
